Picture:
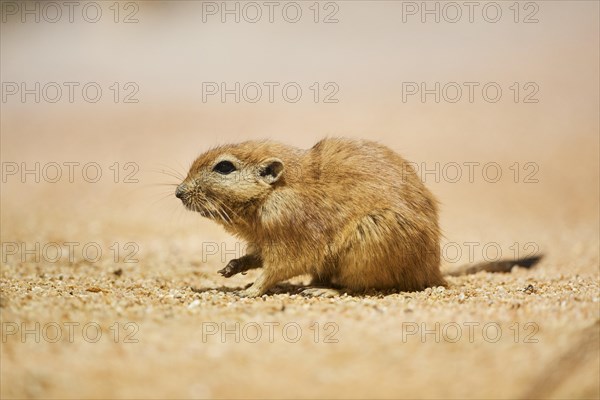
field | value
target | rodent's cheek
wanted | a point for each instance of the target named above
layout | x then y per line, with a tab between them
245	187
217	193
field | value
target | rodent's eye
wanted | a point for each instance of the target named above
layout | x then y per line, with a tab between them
224	167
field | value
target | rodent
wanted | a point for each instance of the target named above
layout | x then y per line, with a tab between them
351	213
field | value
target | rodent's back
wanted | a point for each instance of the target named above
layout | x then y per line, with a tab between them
368	176
364	170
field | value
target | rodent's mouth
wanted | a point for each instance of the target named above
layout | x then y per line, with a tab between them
205	209
193	206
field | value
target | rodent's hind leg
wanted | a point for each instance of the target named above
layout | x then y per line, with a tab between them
268	277
320	292
241	265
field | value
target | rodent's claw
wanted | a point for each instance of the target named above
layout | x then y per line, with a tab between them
232	268
227	272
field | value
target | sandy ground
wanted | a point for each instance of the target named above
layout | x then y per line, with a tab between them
149	317
169	327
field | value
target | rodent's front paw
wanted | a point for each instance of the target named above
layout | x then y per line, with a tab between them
233	267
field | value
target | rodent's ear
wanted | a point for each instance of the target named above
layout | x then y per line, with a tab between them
271	169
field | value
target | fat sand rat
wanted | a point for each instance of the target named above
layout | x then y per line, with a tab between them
353	214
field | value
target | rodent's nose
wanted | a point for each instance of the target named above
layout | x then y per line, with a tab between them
180	191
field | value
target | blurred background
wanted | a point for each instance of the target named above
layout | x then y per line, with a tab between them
497	103
364	71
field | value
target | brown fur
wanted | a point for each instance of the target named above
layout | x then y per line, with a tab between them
348	212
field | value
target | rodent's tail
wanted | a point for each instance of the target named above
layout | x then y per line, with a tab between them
495	266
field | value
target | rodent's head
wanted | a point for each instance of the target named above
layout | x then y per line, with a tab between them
226	181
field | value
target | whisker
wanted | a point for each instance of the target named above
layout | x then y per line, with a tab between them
160	184
174	171
227	208
168	173
222	212
163	197
226	217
